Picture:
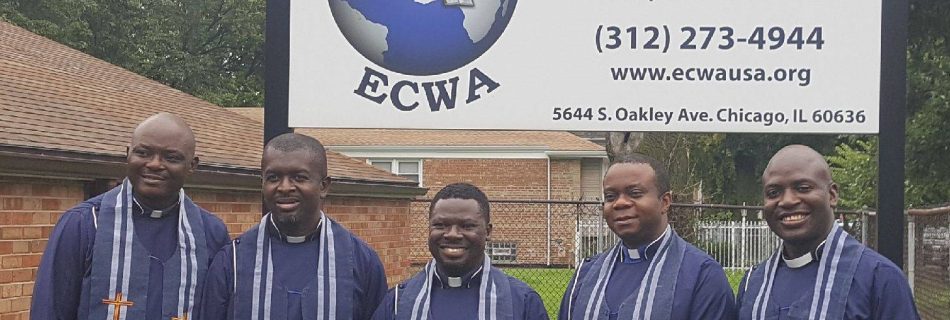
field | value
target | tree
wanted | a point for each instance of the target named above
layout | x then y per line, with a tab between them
854	168
928	141
928	113
212	49
622	143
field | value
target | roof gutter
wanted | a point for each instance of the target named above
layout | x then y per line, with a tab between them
576	154
58	164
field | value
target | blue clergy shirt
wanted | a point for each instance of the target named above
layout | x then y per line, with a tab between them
295	267
702	290
879	289
67	260
459	301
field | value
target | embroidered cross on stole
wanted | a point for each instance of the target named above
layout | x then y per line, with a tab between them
118	303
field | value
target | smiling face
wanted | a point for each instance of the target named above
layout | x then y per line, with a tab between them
457	234
293	189
634	209
160	157
799	198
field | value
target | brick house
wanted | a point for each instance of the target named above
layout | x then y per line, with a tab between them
507	165
65	119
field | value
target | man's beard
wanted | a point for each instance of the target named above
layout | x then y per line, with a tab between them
291	219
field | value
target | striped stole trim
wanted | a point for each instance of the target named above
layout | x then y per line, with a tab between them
826	274
189	259
122	248
646	294
264	272
488	294
835	270
765	291
600	287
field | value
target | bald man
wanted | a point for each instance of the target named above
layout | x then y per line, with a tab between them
819	271
140	250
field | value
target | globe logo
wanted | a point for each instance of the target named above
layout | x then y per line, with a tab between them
422	37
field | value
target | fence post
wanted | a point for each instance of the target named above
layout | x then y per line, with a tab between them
549	233
864	228
743	225
577	237
911	254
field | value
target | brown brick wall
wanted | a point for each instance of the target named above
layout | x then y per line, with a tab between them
30	207
566	179
506	178
381	223
498	178
28	210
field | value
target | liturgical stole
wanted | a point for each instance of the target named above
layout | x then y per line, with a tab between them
494	295
120	263
836	267
654	298
263	299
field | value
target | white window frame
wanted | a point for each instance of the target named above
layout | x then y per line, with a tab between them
394	166
502	252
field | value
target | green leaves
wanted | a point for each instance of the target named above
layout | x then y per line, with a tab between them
212	49
854	168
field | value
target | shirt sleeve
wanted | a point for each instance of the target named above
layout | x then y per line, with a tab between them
892	297
534	307
741	292
216	233
372	279
65	262
385	309
713	298
215	303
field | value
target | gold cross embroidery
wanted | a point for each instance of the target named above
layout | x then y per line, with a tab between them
184	316
118	303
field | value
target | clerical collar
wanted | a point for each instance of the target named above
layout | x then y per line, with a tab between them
643	253
457	282
805	259
294	239
156	213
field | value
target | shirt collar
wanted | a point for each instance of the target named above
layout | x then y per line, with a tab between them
458	282
642	253
138	207
274	230
805	259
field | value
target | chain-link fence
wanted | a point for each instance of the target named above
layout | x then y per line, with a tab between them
540	242
928	261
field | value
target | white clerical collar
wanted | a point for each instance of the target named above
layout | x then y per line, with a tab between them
457	282
643	251
153	213
295	239
804	259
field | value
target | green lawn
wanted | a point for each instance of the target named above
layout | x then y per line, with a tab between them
551	283
735	276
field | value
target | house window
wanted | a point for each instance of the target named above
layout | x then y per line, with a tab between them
592	179
502	252
409	169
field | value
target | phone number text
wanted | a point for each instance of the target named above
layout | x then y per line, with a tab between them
663	38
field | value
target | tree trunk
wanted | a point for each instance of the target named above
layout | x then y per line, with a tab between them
622	143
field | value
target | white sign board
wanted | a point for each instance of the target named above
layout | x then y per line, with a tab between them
616	65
